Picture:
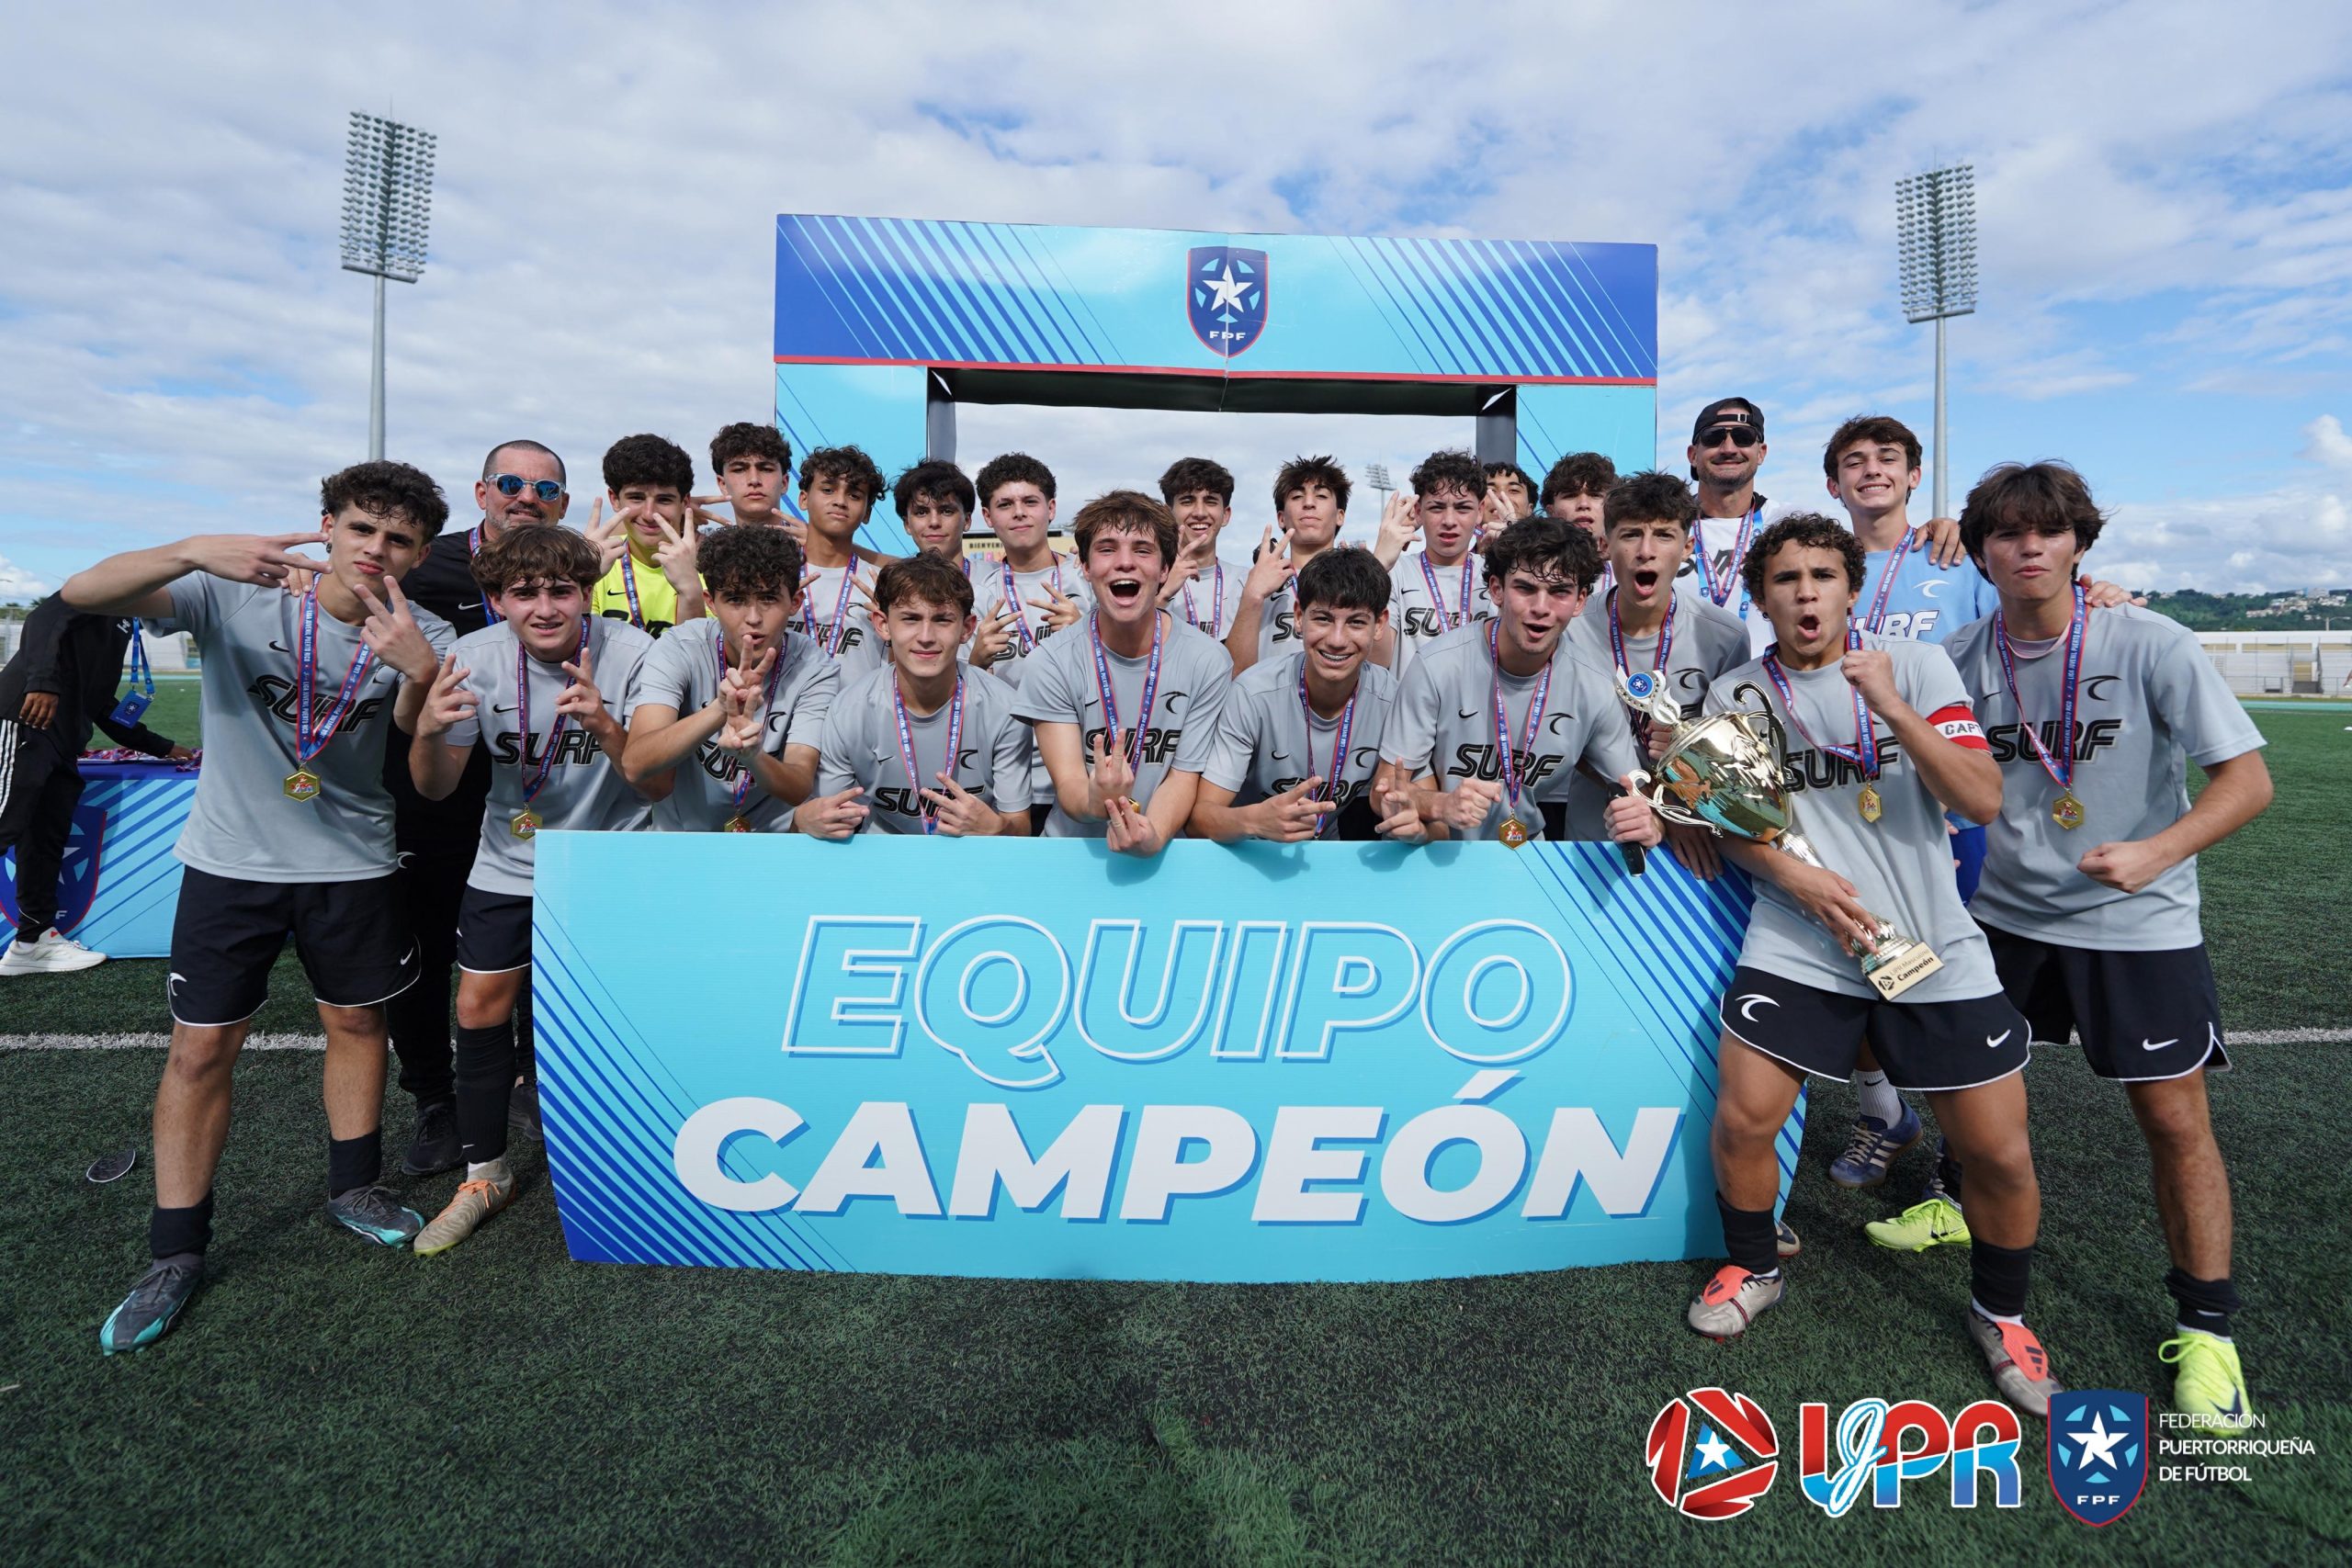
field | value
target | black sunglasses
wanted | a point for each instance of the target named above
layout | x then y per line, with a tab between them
515	484
1738	435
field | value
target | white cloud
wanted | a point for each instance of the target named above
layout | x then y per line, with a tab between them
2325	443
17	584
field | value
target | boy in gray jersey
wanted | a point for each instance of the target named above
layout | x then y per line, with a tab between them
1294	751
929	742
1201	588
2089	897
1442	587
1311	507
291	834
1122	705
838	486
1877	741
723	729
1493	721
1642	624
543	692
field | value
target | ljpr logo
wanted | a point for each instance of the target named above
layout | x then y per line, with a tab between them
1880	1446
1713	1453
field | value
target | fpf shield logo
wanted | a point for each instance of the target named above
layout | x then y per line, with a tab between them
2098	1452
77	876
1713	1453
1224	297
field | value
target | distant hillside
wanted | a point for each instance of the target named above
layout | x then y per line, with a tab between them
2312	610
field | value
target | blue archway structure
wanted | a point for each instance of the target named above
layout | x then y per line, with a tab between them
883	325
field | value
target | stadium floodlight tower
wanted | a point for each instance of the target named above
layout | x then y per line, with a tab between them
387	199
1935	222
1376	475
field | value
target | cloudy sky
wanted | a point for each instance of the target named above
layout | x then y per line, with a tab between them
2165	228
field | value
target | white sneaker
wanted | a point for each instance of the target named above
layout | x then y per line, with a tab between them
54	953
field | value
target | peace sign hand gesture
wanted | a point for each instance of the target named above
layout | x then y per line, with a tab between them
1111	775
1271	572
1293	816
1061	609
448	701
609	535
392	633
961	814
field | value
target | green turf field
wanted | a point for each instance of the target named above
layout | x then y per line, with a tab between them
329	1401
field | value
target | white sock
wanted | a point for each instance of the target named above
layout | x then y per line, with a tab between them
1878	1097
494	1171
1978	1308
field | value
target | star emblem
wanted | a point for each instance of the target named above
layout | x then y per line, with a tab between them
1713	1451
2098	1443
1227	292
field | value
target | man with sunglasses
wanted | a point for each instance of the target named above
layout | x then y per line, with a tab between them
522	485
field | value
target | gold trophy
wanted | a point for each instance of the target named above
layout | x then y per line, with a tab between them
1723	772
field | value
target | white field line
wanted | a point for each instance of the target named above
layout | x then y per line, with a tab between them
315	1042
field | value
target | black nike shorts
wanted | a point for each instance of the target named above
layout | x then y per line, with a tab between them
352	937
493	932
2142	1016
1928	1046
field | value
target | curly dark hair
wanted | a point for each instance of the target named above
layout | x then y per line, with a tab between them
1186	475
1879	430
650	460
1347	578
382	487
2043	496
927	578
1579	473
1455	470
1545	546
745	439
1014	467
936	478
846	463
1300	472
1526	481
1811	531
1650	496
1125	512
747	559
521	556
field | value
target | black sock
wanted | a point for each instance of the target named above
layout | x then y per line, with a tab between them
1947	1172
2205	1305
1749	1238
526	1059
354	1162
29	931
180	1233
1998	1277
485	1079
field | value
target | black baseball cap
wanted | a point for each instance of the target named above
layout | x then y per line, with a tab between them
1729	411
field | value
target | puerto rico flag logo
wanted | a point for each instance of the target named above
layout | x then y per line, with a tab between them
1224	297
2098	1452
1711	1453
77	877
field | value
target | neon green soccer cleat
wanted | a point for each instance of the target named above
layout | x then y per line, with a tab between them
1931	1222
2209	1387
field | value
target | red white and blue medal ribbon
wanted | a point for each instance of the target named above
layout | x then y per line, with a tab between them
1021	611
741	785
536	779
1216	609
490	615
1333	785
907	745
831	639
2067	811
629	586
1664	638
1110	699
311	734
1453	618
1863	753
1877	617
1719	589
1503	733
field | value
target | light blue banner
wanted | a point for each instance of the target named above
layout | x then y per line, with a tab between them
119	886
1036	1059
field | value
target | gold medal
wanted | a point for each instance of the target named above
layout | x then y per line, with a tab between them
525	824
1514	833
2067	811
739	825
1869	803
303	784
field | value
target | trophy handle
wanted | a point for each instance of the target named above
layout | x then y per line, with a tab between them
1666	806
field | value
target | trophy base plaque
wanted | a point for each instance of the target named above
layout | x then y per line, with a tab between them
1898	964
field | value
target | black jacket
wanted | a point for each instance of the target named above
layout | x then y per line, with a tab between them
79	658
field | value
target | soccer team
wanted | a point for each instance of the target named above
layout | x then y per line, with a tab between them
1988	747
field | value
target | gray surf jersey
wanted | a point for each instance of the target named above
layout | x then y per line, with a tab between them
1901	864
1059	687
243	825
1444	724
2149	703
1417	617
861	748
682	674
1264	744
989	590
585	789
1708	643
842	630
1210	599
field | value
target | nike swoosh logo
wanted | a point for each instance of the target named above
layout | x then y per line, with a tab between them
469	604
2147	1045
496	708
1993	1040
1474	715
409	954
